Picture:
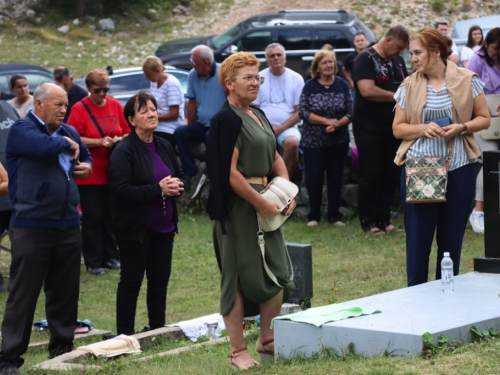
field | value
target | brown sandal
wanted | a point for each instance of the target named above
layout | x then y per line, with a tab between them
244	367
264	355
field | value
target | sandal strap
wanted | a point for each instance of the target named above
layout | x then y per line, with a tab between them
237	351
267	342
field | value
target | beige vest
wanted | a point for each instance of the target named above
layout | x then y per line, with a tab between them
458	81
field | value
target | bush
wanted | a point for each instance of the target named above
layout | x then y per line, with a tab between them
437	5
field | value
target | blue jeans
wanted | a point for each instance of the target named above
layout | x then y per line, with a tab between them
316	162
184	135
448	220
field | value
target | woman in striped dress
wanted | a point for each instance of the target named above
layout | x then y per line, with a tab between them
424	119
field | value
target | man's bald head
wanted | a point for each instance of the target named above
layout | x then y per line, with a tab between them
50	104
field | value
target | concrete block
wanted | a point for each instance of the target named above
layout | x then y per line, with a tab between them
406	315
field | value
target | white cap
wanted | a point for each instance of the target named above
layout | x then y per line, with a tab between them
446	254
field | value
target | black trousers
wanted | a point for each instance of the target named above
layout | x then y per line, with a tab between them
48	257
378	177
99	244
316	162
154	256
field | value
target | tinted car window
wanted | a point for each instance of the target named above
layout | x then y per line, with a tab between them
35	80
183	79
256	41
128	84
295	39
4	86
334	37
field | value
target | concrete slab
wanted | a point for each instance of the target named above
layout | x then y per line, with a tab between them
406	314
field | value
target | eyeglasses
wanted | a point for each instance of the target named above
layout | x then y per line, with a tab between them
250	79
99	89
193	63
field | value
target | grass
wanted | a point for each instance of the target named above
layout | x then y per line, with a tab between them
347	264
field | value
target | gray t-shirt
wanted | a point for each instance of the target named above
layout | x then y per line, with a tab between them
8	116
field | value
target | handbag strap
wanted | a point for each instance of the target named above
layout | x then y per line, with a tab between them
94	120
452	141
262	245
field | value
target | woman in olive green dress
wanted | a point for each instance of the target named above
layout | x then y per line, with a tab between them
241	153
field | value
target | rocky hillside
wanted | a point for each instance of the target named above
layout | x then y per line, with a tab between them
84	44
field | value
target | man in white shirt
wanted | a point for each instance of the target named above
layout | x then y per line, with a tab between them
442	27
279	99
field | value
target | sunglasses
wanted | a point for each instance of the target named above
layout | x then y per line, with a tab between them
98	90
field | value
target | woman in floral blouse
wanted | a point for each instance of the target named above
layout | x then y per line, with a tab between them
326	108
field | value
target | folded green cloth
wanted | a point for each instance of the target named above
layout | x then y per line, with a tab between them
324	314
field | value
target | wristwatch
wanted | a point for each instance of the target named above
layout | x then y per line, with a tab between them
464	128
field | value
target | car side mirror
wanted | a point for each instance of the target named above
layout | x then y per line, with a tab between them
231	49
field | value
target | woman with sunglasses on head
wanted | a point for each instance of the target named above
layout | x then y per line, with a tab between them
100	121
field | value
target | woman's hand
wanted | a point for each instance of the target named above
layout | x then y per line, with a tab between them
433	130
268	209
107	142
452	130
171	186
289	209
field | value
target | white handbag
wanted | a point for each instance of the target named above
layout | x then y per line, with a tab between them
493	132
280	191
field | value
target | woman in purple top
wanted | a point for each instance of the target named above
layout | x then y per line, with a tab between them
144	178
486	64
326	108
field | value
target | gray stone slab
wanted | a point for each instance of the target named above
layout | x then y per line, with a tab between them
406	314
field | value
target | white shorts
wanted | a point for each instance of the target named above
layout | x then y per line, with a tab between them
293	131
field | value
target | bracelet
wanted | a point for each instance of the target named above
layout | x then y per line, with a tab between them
464	128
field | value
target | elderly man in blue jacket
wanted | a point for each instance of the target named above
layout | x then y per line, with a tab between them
43	158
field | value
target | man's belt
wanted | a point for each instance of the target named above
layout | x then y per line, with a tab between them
257	180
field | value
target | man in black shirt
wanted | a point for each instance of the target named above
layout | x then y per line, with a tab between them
360	43
63	77
378	71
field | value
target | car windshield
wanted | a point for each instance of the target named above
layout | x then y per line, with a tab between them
227	35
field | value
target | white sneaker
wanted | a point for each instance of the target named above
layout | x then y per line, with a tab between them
312	223
476	220
339	224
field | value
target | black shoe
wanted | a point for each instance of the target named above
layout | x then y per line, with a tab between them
97	271
113	264
60	351
145	329
10	369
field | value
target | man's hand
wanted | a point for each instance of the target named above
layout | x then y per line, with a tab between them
73	147
82	170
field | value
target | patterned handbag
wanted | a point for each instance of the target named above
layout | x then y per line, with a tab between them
427	178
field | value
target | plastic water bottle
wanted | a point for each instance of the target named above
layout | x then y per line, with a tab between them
447	273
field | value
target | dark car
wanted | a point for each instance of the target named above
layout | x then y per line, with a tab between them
124	83
301	32
35	76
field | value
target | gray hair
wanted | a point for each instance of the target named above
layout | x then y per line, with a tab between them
41	93
45	89
275	45
206	52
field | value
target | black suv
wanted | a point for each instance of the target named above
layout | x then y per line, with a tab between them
301	32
